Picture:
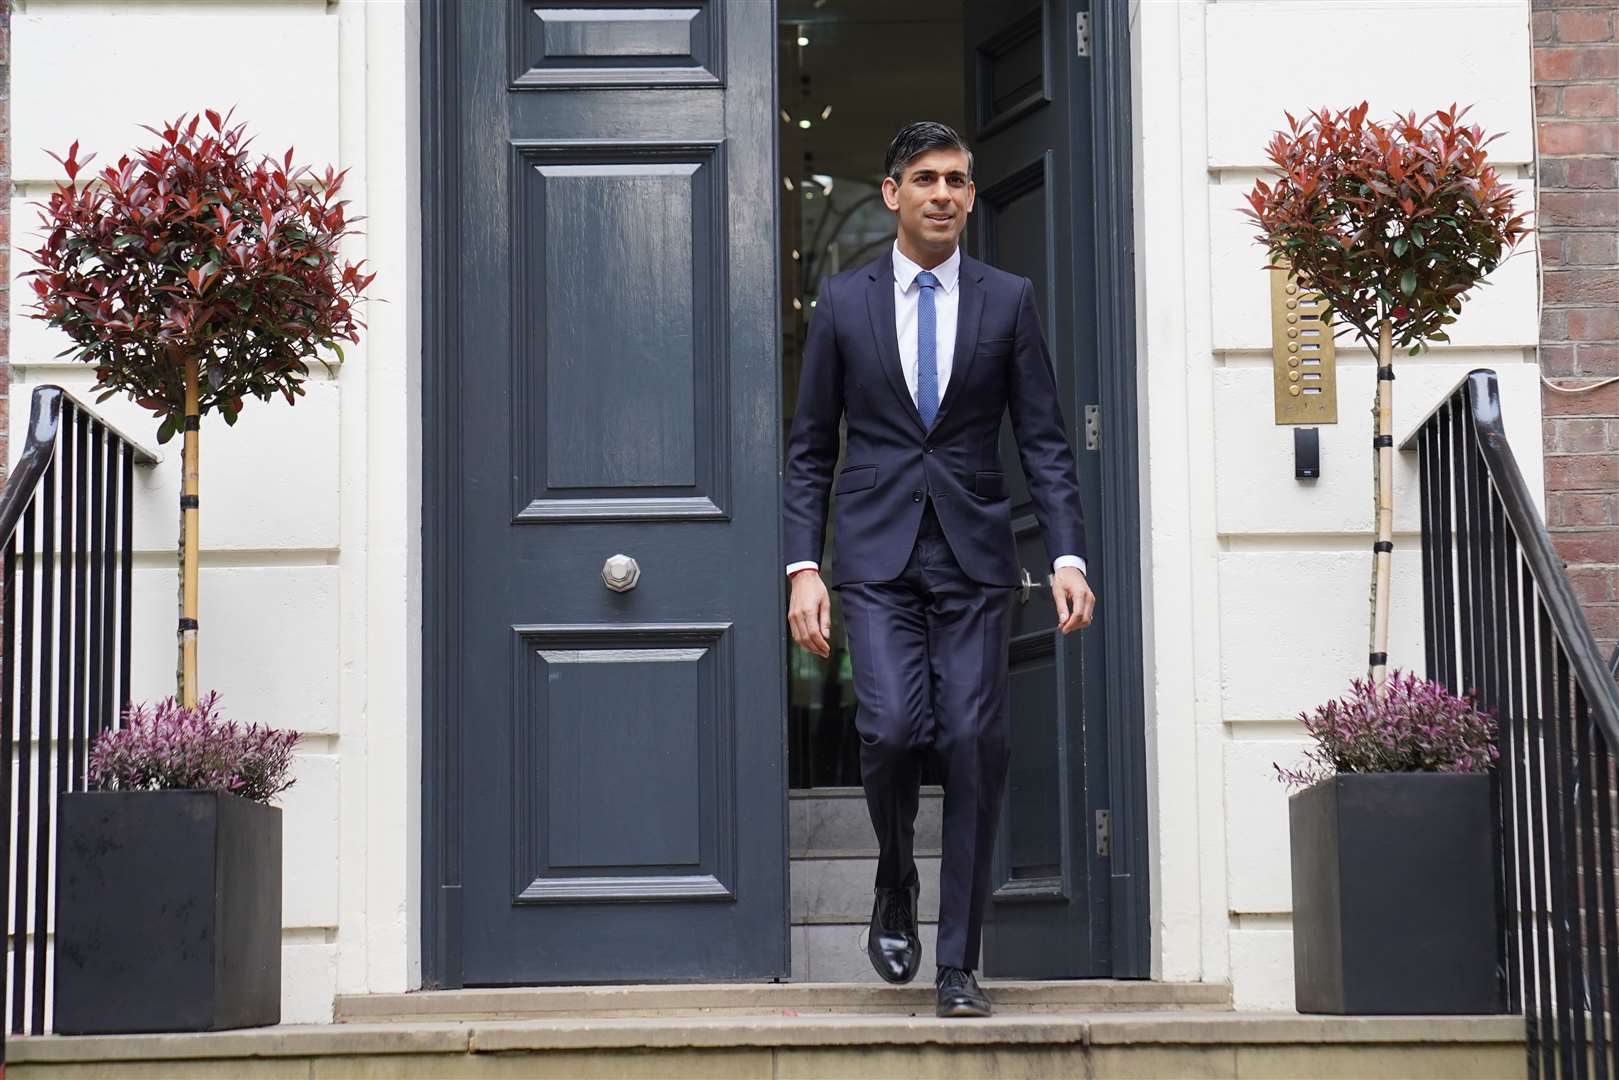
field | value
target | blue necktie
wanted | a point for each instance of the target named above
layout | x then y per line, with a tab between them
927	351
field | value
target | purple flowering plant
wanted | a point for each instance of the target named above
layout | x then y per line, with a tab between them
1409	725
168	746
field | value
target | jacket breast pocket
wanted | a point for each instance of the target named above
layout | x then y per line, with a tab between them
988	347
856	478
989	485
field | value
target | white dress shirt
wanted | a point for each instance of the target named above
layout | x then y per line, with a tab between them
946	302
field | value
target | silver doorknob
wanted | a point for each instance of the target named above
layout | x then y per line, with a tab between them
620	573
1024	586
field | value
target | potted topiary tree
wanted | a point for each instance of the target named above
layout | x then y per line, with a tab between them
1393	853
168	894
194	277
1392	225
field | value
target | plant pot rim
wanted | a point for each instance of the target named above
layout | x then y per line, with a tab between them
1357	777
127	793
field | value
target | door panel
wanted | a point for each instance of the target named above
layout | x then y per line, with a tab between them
622	777
1028	97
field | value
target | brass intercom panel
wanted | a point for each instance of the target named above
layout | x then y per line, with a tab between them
1301	353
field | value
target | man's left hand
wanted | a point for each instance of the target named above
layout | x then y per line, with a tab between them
1075	601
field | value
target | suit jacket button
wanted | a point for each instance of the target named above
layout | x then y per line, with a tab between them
929	449
916	496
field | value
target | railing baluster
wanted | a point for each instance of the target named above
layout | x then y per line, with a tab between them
126	599
1514	901
1541	1022
79	437
98	502
8	673
1430	550
110	644
1574	982
25	768
1448	672
1601	780
1464	557
1586	903
42	819
1493	695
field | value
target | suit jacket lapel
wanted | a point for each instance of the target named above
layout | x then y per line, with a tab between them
880	306
969	310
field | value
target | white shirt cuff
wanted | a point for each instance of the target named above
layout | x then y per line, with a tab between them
810	565
1068	560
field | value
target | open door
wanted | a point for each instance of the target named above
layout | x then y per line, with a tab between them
1028	108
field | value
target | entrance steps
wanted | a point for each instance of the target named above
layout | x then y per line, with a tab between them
833	866
771	1033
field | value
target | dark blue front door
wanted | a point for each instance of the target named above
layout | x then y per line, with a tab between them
621	782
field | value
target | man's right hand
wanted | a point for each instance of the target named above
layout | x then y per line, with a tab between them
809	613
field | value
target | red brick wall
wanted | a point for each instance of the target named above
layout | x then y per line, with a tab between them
1576	73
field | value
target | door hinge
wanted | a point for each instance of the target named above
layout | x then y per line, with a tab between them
1104	832
1082	33
1093	427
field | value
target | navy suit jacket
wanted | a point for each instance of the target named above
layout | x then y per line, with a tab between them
852	368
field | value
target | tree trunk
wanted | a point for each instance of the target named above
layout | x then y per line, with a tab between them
186	675
1383	495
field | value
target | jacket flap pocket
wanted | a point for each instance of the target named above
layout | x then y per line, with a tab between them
989	485
856	478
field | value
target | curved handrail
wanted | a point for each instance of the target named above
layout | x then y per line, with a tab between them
45	417
44	423
1535	542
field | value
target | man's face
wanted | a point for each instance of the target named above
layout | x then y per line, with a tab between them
933	198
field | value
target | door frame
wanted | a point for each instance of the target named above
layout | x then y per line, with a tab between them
441	924
1120	624
1120	528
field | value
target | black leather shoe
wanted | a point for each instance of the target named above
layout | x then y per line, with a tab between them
960	994
893	943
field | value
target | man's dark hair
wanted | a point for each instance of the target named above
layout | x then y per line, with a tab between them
916	139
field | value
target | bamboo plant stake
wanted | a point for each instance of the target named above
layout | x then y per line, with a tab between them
187	633
1383	485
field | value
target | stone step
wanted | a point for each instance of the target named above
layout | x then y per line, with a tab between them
785	1042
853	998
836	819
840	889
835	952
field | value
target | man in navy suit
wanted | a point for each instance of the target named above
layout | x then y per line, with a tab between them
922	352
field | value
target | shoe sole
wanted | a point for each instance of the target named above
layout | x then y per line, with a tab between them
961	1010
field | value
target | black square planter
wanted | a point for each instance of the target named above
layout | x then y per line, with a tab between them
168	913
1394	905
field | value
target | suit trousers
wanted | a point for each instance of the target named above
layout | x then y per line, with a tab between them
929	653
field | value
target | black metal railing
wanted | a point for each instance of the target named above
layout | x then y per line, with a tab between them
66	519
1501	617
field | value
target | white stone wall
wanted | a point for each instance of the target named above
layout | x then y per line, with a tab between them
310	607
1256	606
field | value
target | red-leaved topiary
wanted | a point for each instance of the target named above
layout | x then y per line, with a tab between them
1392	224
194	274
